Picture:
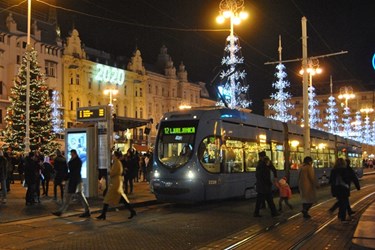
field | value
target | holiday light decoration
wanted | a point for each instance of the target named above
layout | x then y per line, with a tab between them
57	123
282	104
233	88
331	118
313	111
41	136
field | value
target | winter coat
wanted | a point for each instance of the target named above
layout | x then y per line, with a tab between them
115	189
307	184
47	170
284	190
60	168
31	168
347	175
74	175
263	176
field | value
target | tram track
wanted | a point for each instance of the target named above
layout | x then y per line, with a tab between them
306	234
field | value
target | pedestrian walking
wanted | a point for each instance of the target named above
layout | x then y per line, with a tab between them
307	185
264	185
3	177
340	179
10	170
47	171
285	193
61	172
75	186
115	192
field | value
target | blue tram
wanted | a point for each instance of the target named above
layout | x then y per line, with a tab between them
211	153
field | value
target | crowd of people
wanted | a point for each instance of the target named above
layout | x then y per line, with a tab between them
342	175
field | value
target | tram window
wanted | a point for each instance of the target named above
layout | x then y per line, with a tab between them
251	155
233	160
209	154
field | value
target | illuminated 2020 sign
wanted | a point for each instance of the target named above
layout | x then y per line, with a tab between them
109	74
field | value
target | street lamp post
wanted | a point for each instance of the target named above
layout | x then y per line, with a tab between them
234	11
28	49
347	94
111	93
312	70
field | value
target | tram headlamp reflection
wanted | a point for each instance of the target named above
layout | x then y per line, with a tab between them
190	174
156	174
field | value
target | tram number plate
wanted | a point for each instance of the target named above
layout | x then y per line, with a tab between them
212	182
168	184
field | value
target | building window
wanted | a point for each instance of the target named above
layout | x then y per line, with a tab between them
90	83
1	87
1	116
89	103
136	113
125	90
141	113
78	102
140	92
24	44
50	68
77	79
18	60
71	104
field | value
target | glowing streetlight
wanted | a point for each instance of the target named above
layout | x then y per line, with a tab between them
111	93
347	94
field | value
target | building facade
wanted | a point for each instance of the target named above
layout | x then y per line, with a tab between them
90	77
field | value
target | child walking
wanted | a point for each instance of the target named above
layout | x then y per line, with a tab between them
285	193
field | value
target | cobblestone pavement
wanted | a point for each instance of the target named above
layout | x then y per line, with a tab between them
16	210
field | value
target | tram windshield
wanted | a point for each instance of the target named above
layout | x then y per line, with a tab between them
175	144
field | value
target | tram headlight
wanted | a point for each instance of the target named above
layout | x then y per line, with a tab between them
156	174
190	174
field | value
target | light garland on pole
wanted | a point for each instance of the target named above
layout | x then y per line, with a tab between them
347	94
235	88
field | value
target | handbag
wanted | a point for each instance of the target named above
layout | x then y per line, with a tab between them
341	182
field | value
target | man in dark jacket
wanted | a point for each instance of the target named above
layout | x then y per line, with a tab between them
61	172
264	186
75	185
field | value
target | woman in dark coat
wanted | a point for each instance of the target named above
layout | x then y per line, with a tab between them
61	171
340	180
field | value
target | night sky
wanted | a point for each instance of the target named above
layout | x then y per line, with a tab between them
333	26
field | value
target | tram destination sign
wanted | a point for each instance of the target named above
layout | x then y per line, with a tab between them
179	130
96	113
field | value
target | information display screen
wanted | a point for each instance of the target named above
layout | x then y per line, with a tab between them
78	141
91	114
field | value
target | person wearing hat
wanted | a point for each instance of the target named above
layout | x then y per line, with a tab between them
285	193
264	186
61	171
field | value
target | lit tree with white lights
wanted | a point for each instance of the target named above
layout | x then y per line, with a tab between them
346	122
282	103
57	123
313	111
234	87
357	128
331	117
41	136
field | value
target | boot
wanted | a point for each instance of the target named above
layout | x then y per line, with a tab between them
130	208
102	216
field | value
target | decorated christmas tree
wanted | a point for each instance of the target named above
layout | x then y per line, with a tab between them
41	136
282	104
233	87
